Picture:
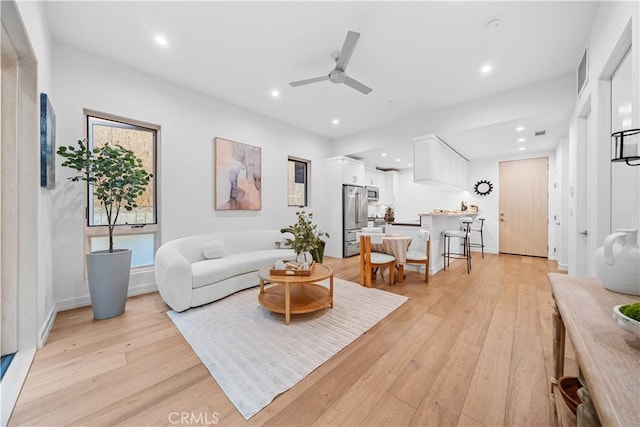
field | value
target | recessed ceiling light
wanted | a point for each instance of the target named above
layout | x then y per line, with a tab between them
521	140
275	93
519	128
335	121
397	160
521	148
384	154
161	40
409	164
486	68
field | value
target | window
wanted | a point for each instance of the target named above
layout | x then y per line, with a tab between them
137	229
298	179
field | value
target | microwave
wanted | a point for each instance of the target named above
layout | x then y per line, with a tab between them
373	193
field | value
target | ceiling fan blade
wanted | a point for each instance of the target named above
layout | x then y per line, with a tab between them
347	50
357	85
308	81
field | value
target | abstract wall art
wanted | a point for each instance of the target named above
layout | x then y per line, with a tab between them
238	175
47	143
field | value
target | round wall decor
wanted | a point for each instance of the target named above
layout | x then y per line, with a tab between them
483	187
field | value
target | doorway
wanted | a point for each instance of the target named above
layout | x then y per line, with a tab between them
524	207
8	211
19	178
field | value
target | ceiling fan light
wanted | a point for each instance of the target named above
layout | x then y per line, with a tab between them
336	76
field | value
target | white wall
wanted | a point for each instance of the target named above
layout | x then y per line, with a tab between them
417	198
189	121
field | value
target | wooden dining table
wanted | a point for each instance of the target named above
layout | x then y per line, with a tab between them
396	245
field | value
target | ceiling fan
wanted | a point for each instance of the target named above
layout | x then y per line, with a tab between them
338	75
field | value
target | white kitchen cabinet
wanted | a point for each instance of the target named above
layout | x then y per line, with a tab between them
438	164
391	188
374	178
352	171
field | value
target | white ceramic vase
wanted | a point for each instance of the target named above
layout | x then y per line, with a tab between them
305	257
618	262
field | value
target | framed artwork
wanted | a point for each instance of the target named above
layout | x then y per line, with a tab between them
47	143
238	175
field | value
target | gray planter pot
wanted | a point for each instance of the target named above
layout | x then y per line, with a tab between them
108	281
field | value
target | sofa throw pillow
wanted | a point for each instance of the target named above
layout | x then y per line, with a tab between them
213	249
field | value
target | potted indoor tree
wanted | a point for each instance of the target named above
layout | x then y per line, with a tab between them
118	179
306	238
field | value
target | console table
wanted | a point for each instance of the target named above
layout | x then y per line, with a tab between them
608	357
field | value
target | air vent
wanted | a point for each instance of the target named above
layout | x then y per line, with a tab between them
582	72
540	132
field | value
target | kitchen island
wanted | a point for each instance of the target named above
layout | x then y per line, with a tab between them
437	224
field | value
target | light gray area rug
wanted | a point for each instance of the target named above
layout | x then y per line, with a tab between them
254	356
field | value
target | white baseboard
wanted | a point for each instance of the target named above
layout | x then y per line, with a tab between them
563	267
85	300
142	289
46	327
486	250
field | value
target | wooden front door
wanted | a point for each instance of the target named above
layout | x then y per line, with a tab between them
523	207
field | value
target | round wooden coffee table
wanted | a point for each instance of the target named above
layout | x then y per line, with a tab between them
305	297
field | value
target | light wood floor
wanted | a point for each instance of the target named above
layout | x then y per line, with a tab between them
471	350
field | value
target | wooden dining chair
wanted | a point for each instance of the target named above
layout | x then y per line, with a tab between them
370	262
422	256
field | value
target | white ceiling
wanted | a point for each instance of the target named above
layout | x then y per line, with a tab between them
417	56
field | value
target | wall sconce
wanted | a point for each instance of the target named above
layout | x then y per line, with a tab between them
626	146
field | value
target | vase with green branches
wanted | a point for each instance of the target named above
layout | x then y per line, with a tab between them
306	236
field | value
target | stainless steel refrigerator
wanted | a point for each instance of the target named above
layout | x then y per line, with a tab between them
354	217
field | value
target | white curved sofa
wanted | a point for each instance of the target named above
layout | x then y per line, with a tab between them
186	278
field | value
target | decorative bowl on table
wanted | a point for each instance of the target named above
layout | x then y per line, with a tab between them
292	268
625	322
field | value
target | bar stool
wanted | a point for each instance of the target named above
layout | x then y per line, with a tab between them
463	234
480	219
